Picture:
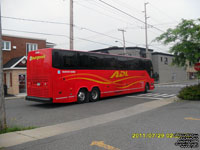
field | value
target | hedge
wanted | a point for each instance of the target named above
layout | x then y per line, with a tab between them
190	93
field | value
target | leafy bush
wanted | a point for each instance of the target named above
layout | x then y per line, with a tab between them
190	93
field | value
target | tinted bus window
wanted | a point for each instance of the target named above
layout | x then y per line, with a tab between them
135	64
110	63
122	63
149	67
141	65
69	59
82	59
96	61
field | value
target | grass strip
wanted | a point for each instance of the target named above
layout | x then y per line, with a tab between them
15	128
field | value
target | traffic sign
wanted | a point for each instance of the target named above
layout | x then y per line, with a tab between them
197	66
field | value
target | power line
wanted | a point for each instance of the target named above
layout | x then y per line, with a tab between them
108	35
102	6
121	11
163	13
32	20
115	18
56	35
129	15
79	27
164	24
126	6
158	48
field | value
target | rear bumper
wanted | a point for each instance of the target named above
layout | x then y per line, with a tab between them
39	99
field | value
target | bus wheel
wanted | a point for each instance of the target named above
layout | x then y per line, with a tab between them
82	96
146	88
94	95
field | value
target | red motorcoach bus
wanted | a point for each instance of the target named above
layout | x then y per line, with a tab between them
63	76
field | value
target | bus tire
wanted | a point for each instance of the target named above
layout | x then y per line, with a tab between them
146	88
94	95
82	96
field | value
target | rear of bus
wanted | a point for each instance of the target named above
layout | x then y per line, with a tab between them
39	76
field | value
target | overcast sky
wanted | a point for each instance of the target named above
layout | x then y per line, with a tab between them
92	16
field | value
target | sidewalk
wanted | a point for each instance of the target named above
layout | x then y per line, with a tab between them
22	95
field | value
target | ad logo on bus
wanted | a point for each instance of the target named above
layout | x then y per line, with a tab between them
37	57
119	74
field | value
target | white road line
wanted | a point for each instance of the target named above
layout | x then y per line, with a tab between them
170	95
144	97
154	95
161	95
147	94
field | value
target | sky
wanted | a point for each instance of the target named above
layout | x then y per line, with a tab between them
95	23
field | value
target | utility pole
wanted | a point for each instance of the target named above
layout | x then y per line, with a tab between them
124	44
146	36
71	28
2	100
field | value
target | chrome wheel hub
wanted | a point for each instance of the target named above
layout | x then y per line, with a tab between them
81	96
94	94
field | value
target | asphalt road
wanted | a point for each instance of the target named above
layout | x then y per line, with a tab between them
113	135
25	113
118	134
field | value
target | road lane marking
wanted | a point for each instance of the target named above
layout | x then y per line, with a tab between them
171	95
20	137
147	94
145	97
102	144
154	95
190	118
161	95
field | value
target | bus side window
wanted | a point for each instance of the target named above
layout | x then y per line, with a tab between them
122	65
110	63
83	61
96	61
69	60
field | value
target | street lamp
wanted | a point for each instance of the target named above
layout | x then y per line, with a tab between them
124	45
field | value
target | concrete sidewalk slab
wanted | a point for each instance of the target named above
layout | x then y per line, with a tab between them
23	95
15	138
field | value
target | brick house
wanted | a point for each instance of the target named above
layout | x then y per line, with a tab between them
15	50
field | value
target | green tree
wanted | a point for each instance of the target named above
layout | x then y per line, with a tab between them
185	38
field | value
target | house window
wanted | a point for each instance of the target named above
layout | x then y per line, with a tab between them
166	61
31	47
6	45
161	59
